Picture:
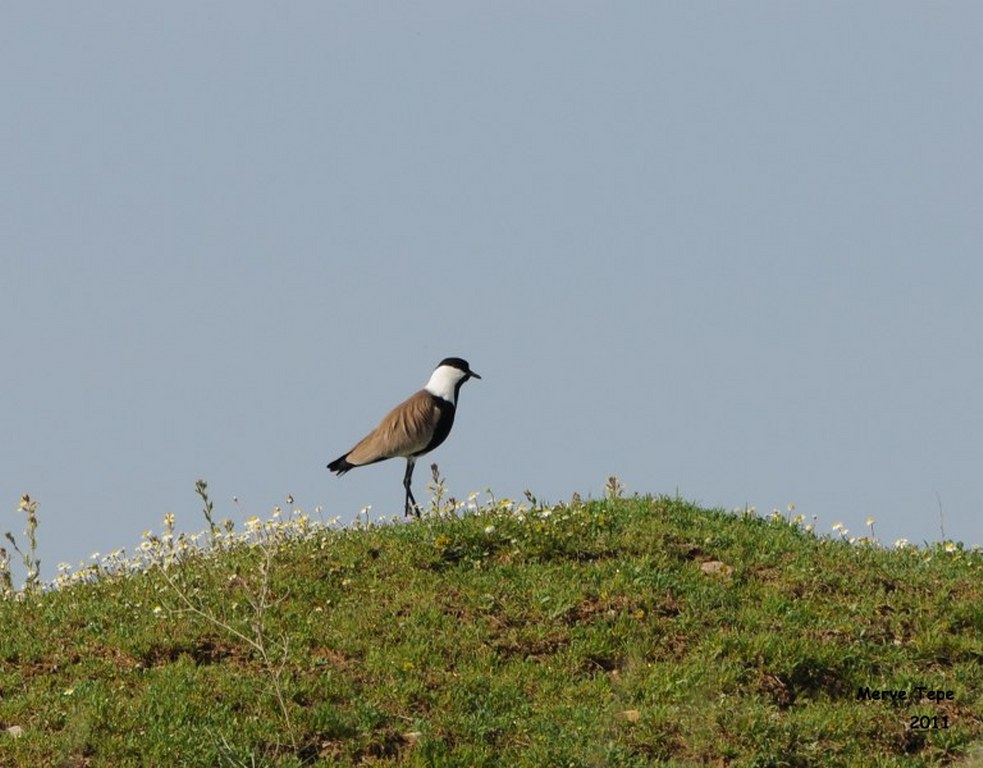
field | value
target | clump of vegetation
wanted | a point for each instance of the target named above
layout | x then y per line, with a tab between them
626	631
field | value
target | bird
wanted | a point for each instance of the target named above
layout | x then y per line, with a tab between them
414	427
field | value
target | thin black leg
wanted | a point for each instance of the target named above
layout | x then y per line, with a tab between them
407	479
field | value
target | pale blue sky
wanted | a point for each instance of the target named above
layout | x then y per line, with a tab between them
729	249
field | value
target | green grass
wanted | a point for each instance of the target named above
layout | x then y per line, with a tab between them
581	635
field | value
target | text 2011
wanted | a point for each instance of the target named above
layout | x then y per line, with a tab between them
926	723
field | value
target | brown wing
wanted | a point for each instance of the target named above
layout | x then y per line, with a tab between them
406	429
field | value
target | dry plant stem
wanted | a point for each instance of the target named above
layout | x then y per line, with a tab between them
260	603
6	579
31	562
437	489
230	751
201	488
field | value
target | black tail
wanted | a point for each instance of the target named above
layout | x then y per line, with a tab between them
341	465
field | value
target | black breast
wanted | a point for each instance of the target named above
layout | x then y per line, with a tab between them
444	423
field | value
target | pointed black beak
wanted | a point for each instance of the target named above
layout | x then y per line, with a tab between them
473	375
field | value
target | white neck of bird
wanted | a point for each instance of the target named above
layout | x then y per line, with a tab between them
443	382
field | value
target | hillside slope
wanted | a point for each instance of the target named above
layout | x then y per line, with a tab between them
625	632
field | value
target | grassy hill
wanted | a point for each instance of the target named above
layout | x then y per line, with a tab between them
623	632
